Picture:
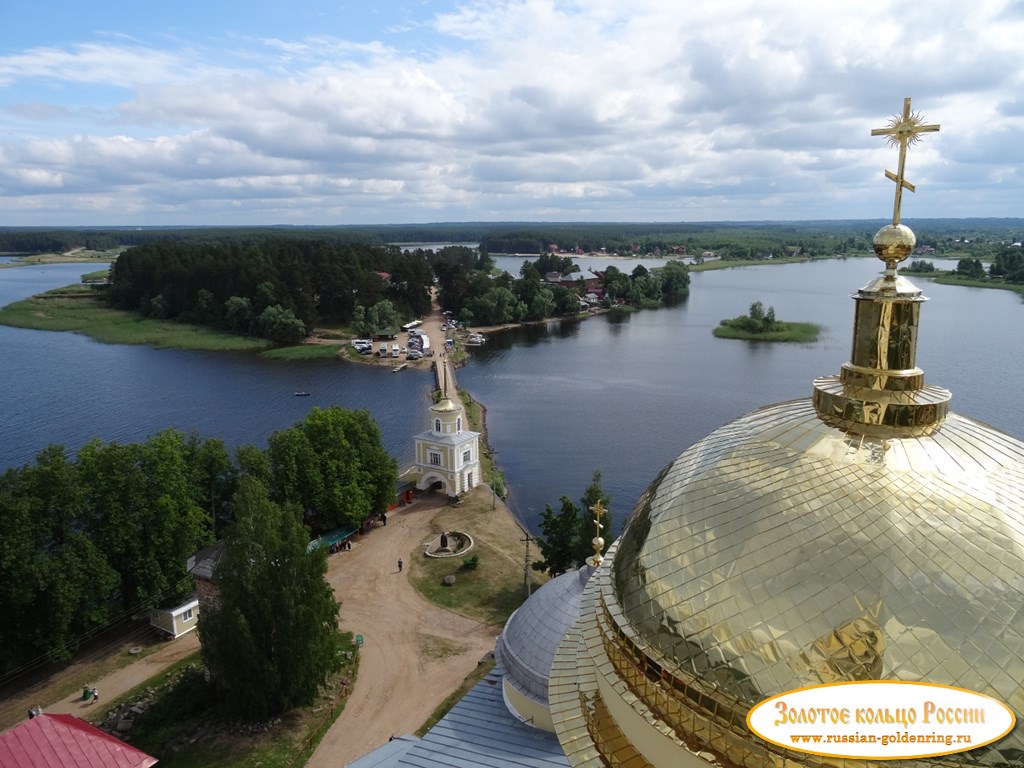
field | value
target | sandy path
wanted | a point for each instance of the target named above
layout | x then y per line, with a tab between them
414	653
119	682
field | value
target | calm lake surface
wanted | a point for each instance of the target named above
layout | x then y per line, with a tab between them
65	388
625	394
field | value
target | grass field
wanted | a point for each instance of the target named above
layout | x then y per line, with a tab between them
76	309
494	589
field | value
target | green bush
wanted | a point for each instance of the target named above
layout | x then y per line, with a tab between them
470	563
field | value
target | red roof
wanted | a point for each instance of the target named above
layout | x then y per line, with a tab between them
65	741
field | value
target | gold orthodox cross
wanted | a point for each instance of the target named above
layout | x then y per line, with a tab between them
595	560
903	130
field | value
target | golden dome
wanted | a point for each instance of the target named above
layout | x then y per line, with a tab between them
444	405
867	533
864	534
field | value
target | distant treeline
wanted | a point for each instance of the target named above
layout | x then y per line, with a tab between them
279	288
105	536
745	240
525	237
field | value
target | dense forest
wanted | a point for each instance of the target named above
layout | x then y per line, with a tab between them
281	288
105	536
278	288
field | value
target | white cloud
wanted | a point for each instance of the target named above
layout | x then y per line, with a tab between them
527	109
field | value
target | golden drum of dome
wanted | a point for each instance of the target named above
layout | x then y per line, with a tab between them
778	553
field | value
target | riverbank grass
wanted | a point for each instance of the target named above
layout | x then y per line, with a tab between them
79	255
303	352
78	309
948	278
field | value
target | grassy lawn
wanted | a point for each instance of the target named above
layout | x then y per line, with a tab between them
181	727
77	309
494	589
798	332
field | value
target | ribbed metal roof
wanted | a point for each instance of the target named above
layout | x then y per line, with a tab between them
532	634
479	732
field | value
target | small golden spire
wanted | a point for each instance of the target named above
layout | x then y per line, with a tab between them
880	392
903	130
595	560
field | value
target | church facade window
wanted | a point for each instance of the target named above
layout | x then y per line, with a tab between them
437	425
467	456
435	458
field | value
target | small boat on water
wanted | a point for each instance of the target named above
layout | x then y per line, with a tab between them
398	368
302	394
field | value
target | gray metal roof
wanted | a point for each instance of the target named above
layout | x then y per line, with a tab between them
479	732
532	634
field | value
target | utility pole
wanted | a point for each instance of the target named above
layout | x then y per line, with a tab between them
526	569
494	480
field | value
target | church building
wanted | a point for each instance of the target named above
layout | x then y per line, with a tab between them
448	453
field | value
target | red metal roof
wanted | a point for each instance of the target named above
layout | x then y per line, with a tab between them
65	741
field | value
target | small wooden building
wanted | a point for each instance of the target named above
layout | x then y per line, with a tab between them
176	621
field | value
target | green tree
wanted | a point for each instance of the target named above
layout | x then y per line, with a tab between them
971	268
593	494
55	584
559	538
333	466
270	640
675	281
238	314
280	325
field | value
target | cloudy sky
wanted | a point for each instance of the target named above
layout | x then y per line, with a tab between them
390	111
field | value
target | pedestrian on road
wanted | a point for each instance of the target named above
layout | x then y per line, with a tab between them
399	565
95	695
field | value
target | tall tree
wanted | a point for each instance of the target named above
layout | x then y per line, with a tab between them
333	466
559	538
271	638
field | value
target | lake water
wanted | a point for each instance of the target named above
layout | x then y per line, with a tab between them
625	394
65	388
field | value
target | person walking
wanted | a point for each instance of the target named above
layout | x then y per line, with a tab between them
399	565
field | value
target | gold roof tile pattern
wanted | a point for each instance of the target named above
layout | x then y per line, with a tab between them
865	533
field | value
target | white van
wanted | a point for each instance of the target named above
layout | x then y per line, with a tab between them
394	350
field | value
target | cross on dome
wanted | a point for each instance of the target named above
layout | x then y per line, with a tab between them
903	130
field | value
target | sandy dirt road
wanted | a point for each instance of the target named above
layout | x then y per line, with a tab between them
414	653
116	683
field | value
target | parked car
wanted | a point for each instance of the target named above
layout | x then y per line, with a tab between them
414	354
